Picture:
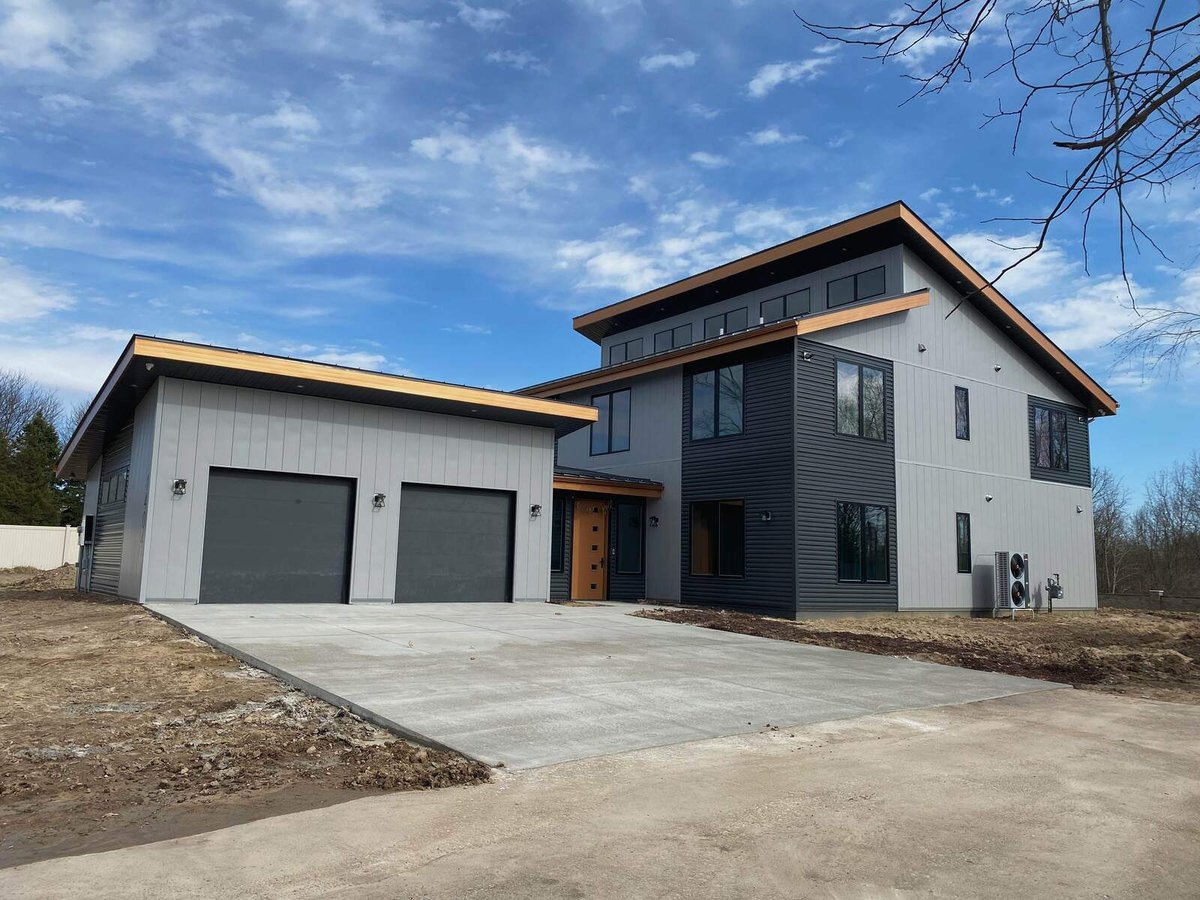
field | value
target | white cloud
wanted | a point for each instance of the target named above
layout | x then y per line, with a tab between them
700	111
521	60
682	60
25	296
513	160
355	359
708	160
919	55
468	328
481	18
294	118
71	209
770	136
929	194
62	102
773	75
95	40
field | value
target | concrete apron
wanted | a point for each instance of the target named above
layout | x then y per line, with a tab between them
527	685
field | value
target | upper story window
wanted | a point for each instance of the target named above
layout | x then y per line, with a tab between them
861	401
962	413
860	286
726	323
679	336
863	551
797	303
717	403
1049	438
619	353
610	433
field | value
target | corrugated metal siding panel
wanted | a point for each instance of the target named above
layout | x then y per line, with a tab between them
832	467
110	518
756	467
204	425
136	504
629	586
1079	451
560	582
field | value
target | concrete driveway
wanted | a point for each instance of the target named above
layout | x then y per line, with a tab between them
532	684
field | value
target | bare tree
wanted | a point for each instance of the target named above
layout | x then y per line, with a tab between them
1123	78
21	398
1166	530
1109	502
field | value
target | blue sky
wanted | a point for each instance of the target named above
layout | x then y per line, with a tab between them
435	188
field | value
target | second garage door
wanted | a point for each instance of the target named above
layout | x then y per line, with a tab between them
455	545
272	537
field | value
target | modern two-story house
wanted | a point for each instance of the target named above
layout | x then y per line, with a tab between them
851	421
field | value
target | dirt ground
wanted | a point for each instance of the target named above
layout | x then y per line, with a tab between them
117	729
1154	655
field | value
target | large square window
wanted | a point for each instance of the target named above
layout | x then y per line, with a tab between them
718	402
863	550
718	538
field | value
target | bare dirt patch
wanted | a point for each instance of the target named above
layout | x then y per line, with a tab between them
1138	653
117	729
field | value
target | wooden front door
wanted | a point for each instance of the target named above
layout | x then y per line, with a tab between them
589	550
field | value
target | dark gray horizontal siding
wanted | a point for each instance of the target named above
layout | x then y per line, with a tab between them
832	467
108	538
560	582
1079	450
755	467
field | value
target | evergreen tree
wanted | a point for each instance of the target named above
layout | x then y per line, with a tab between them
9	501
31	473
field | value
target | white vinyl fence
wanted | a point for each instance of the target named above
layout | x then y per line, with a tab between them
40	546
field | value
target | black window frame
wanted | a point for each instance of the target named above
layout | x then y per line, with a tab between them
639	510
719	557
673	336
861	433
609	395
624	347
558	534
962	548
962	427
716	399
856	293
862	509
724	317
1053	416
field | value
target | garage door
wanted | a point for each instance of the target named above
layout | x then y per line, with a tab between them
276	538
455	545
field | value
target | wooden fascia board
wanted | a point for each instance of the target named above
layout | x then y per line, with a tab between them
597	486
833	232
319	372
94	407
977	282
745	340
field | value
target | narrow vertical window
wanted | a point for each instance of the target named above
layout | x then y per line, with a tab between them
610	433
718	538
874	405
849	541
704	539
962	540
556	536
962	413
729	402
704	405
847	398
600	427
629	538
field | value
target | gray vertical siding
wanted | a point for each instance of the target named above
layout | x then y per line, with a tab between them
1079	451
141	460
832	467
654	452
205	425
755	467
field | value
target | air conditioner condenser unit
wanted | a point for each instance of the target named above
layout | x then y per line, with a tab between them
1012	582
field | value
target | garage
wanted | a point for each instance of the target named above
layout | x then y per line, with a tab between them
456	545
273	537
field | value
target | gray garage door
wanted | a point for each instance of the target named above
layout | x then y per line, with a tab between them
455	545
276	538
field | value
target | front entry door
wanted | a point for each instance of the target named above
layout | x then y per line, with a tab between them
589	550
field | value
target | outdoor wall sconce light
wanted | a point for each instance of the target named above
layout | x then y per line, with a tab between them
765	515
996	367
806	355
1079	509
179	487
653	521
535	510
920	348
379	500
987	497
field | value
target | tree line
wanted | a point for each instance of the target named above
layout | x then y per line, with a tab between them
1155	547
33	426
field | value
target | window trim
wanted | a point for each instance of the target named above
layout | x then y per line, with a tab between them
592	451
959	518
862	413
967	395
856	295
862	550
641	511
716	373
717	504
1051	412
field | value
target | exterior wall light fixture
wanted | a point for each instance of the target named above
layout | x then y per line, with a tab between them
653	521
806	355
765	515
179	487
535	510
988	497
379	501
